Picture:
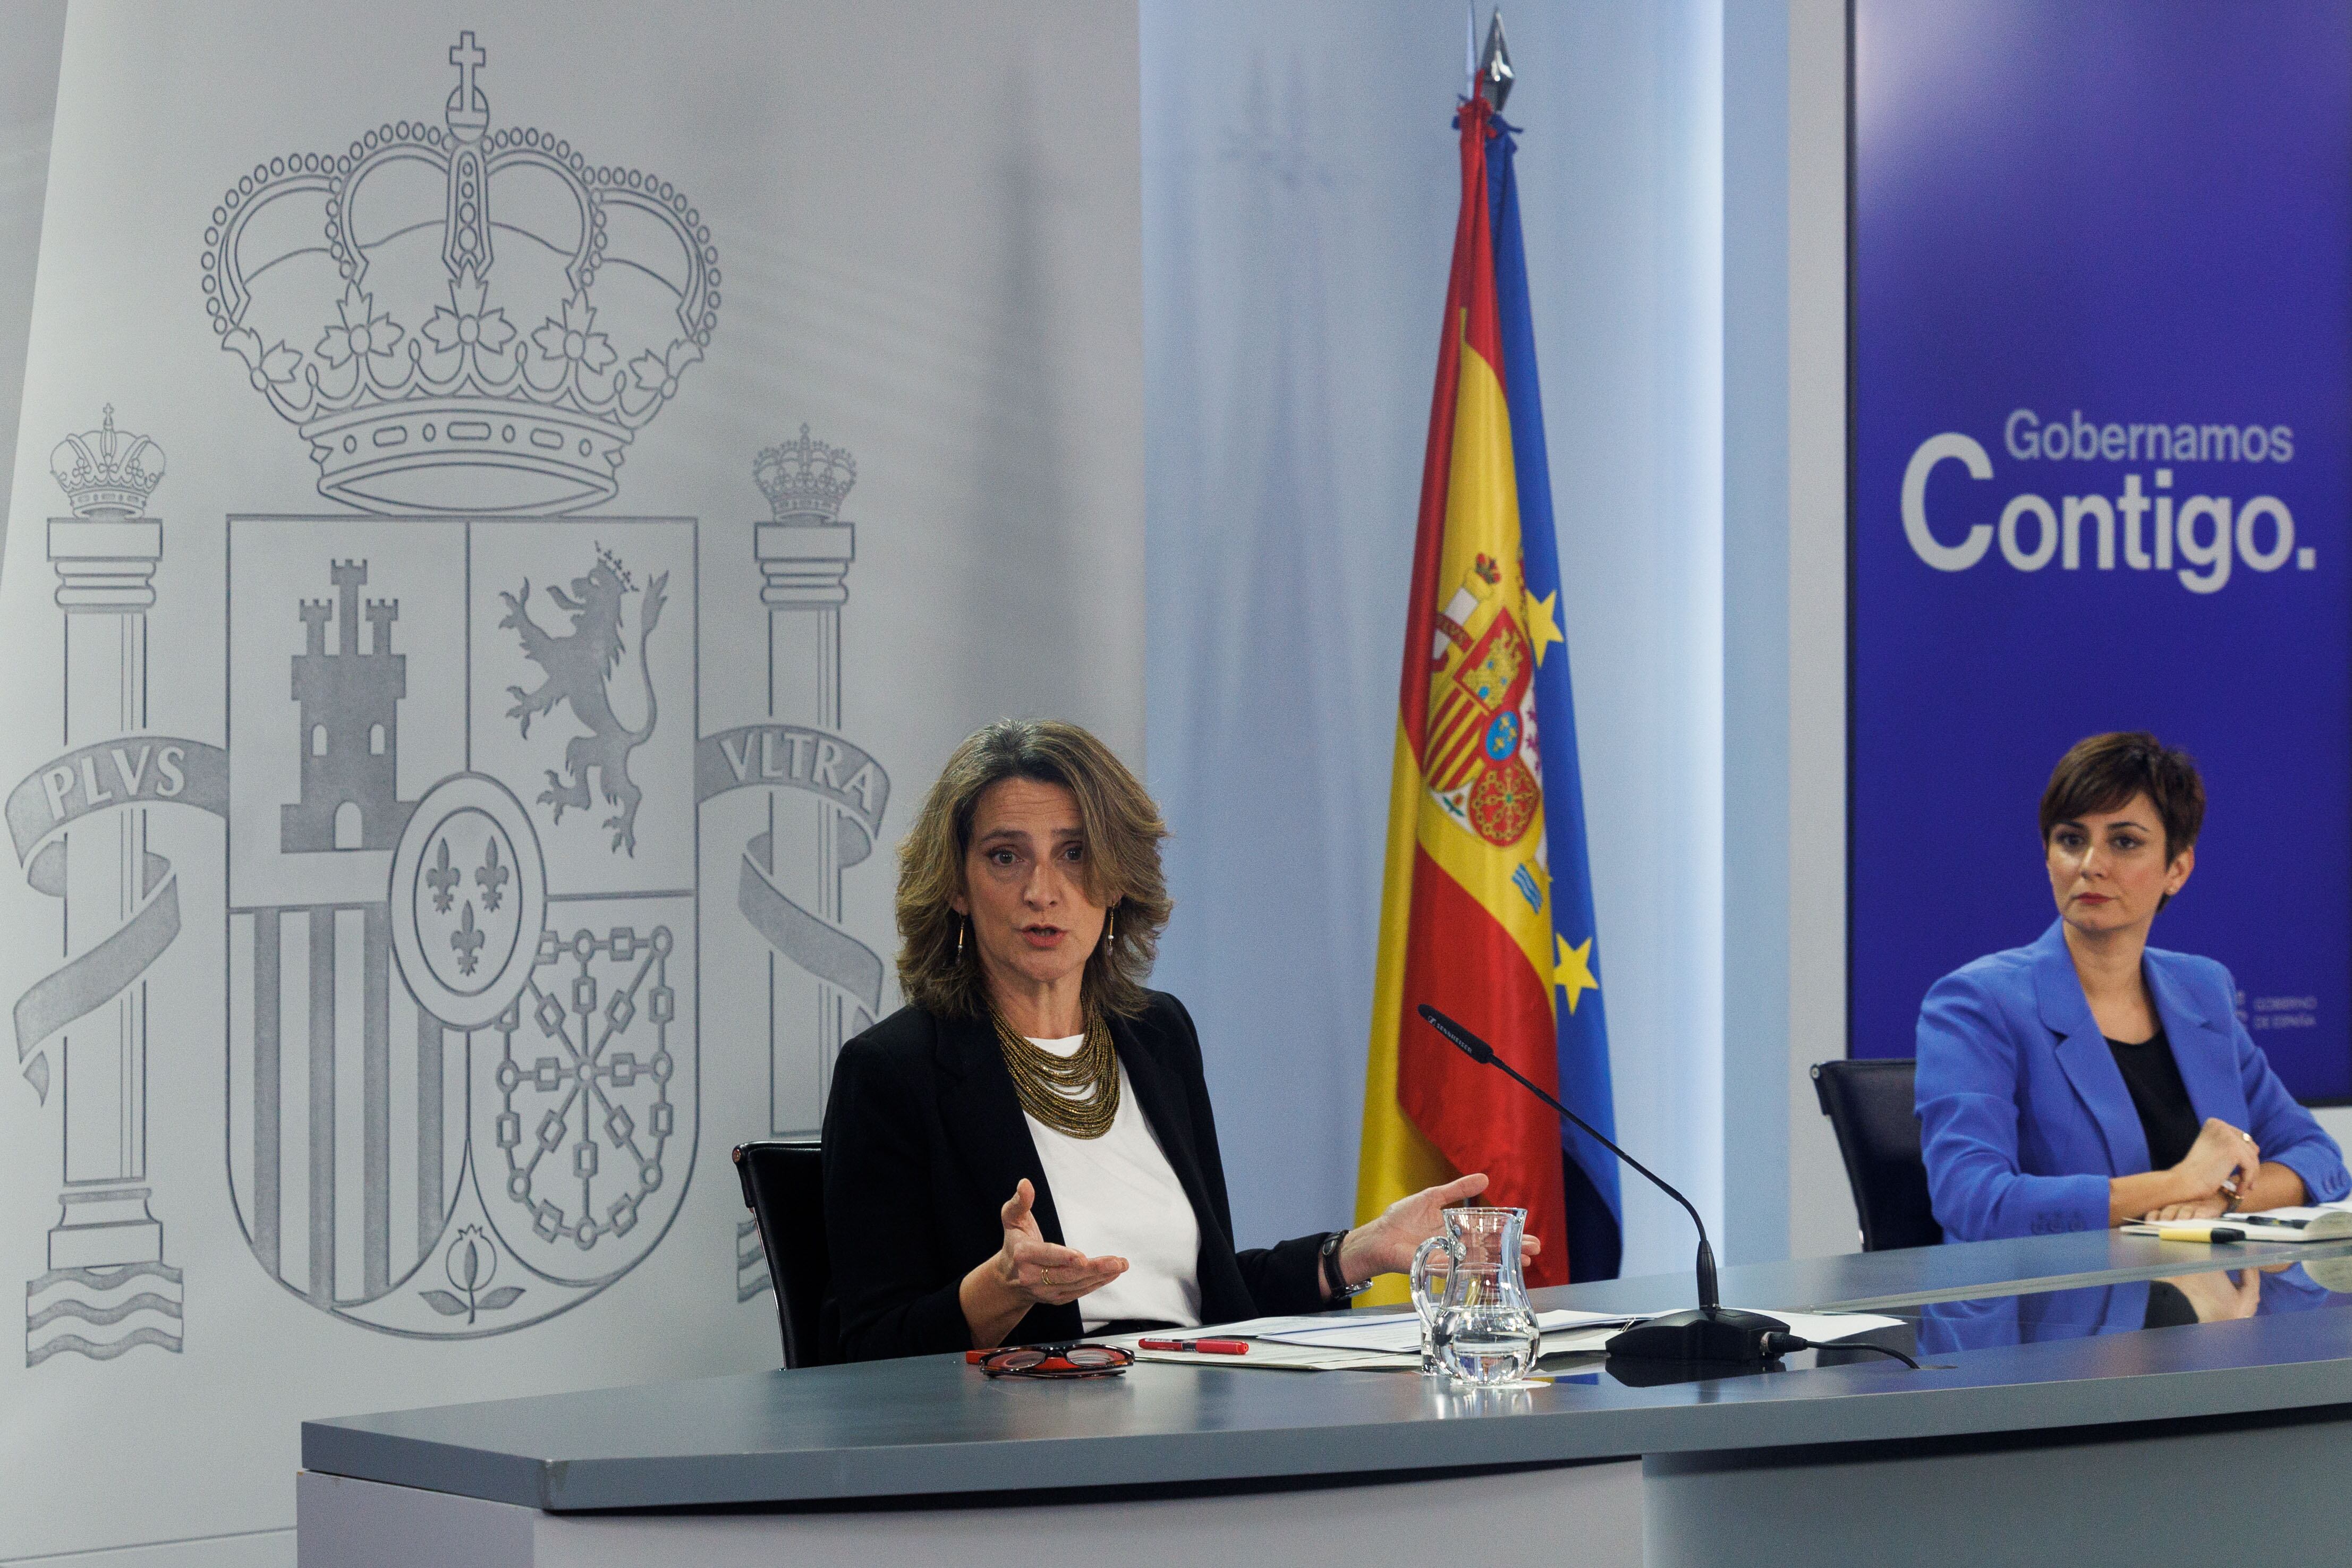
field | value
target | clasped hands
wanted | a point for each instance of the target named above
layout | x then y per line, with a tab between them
2225	1164
1030	1272
2220	1169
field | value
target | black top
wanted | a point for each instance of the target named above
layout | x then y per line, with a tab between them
924	1140
2160	1098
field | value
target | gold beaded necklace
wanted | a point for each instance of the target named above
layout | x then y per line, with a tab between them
1076	1094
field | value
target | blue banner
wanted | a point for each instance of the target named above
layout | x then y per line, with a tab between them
2102	393
1595	1210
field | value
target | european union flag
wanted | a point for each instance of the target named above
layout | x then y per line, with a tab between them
1595	1217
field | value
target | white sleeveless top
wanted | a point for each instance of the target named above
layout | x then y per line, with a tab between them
1118	1197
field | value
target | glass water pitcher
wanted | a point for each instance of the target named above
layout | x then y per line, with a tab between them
1478	1322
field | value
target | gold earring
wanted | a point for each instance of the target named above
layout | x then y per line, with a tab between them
1111	926
960	926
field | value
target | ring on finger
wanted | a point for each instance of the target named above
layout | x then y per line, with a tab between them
1046	1276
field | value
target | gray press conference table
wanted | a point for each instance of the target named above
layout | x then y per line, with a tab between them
2081	1450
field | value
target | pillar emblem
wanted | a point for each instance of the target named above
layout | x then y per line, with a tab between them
79	826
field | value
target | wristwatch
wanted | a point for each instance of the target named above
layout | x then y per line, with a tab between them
1337	1281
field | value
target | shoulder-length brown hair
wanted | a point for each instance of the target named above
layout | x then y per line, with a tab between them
1122	830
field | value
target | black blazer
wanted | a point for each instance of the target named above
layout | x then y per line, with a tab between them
924	1140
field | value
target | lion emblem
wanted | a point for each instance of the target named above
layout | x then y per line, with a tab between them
580	668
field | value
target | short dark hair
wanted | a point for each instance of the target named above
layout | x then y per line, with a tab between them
2104	771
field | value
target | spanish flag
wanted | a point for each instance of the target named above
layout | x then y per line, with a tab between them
1486	909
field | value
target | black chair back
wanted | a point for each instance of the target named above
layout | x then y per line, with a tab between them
1869	1105
784	1186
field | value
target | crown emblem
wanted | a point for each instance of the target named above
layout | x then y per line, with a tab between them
108	472
805	479
461	319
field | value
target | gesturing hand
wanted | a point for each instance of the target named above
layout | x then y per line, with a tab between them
1033	1268
1385	1245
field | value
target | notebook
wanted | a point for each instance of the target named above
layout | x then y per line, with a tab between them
2327	1224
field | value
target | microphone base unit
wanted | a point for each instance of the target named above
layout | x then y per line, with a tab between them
1703	1333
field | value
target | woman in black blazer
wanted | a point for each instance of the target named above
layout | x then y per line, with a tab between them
1030	903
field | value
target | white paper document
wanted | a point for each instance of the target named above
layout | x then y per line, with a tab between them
2328	1222
1271	1356
1828	1328
1269	1328
1402	1336
1391	1341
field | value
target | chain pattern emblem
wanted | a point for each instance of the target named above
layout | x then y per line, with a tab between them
587	1087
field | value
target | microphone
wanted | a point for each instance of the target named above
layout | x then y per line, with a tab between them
1713	1332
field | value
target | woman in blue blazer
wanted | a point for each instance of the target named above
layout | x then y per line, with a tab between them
2089	1079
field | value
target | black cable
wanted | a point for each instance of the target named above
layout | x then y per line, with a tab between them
1783	1343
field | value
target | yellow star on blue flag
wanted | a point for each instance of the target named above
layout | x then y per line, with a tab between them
1543	623
1572	969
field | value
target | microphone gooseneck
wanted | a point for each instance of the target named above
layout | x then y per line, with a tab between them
1713	1334
1479	1052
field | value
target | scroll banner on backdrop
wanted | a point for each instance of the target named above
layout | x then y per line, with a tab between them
2102	387
795	756
167	770
158	770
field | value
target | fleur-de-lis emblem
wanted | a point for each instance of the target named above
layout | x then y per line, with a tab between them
467	942
443	880
491	874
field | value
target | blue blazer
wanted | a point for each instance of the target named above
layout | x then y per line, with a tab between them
2023	1114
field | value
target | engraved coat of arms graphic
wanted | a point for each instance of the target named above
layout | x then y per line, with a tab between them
463	939
464	913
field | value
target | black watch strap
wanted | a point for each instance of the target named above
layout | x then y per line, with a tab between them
1332	1278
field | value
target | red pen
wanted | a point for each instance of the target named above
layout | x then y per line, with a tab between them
1202	1346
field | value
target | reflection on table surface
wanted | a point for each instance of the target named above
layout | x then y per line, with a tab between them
2179	1301
2214	1294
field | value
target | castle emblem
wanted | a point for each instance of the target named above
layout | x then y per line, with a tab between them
350	703
1476	760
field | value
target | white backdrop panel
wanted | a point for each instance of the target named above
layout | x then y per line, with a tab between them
455	802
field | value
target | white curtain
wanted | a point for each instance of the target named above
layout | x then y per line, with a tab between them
1300	184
